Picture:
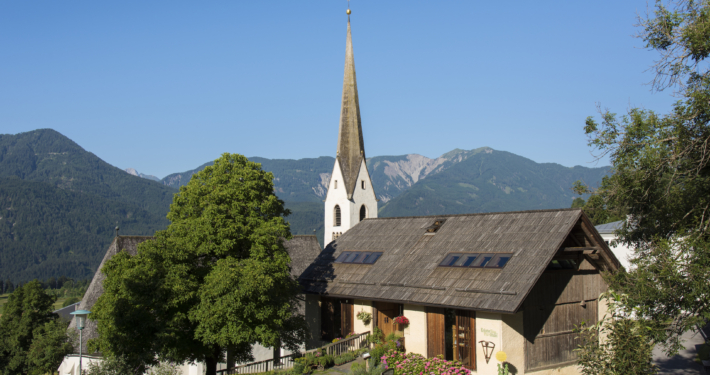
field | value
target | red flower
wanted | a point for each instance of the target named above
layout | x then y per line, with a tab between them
401	320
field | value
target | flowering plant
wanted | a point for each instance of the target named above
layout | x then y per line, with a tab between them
401	320
337	339
414	363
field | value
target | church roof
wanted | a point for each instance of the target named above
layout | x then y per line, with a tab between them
351	148
408	270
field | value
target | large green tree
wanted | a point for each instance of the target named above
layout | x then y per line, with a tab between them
661	177
33	340
217	279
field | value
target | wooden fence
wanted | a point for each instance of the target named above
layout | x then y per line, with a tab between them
349	344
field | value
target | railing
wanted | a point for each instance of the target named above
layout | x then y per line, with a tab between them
349	344
262	366
337	348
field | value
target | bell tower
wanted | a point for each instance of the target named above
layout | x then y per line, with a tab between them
351	197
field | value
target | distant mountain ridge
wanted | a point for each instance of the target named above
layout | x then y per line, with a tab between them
134	172
59	204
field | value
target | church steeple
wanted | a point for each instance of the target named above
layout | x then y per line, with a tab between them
351	197
351	148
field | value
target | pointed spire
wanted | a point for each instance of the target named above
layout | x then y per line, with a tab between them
351	148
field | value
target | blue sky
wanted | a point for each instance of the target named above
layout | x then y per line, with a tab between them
164	86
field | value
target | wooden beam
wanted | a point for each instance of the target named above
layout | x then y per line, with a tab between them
583	250
589	234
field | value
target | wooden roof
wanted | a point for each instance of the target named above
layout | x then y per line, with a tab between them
408	270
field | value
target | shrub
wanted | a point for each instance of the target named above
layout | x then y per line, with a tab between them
416	363
298	367
376	337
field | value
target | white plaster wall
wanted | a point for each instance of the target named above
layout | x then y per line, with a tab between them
489	327
513	341
366	306
362	196
70	364
336	196
349	208
622	252
415	334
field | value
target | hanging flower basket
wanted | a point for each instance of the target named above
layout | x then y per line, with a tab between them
402	320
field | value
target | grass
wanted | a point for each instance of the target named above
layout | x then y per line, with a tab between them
57	304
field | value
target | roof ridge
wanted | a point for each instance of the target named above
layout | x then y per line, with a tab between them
475	214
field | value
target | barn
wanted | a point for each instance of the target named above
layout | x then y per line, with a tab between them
470	285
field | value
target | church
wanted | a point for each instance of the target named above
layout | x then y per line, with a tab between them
482	288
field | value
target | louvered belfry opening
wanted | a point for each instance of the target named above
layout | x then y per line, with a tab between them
336	216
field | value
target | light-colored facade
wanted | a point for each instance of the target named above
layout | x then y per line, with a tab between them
622	251
504	331
343	213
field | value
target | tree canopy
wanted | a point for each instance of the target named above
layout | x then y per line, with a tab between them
33	340
661	177
218	278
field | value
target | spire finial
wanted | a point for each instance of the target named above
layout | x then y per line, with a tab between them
348	11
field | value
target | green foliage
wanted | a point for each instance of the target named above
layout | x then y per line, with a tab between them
217	278
376	337
366	317
33	338
616	344
578	202
50	343
70	301
392	337
661	178
503	370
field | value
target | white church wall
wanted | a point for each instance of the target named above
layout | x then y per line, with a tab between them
362	196
337	195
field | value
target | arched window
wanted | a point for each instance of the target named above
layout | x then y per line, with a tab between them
336	216
363	212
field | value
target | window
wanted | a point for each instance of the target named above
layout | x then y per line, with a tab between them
363	184
497	260
335	184
336	216
363	212
360	257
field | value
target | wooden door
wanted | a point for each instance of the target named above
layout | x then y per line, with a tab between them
435	331
330	318
386	312
464	339
346	315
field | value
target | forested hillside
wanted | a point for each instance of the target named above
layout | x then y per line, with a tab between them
493	181
59	205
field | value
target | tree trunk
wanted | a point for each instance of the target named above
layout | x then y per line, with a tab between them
211	365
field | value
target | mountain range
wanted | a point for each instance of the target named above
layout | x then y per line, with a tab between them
59	204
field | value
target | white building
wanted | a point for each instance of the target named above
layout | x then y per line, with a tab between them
351	197
622	252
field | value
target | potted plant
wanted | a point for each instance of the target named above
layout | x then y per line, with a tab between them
366	317
401	322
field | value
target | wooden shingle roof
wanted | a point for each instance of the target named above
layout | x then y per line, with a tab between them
408	270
